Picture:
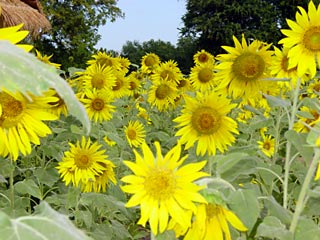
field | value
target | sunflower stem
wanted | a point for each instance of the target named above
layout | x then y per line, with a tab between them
11	186
303	192
287	163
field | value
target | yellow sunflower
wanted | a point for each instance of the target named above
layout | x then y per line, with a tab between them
149	63
303	40
21	122
46	59
102	180
58	107
13	35
162	94
307	118
134	84
135	133
313	88
109	141
202	57
167	71
241	71
267	145
162	188
97	104
82	163
202	77
96	76
103	60
211	222
121	87
204	120
317	176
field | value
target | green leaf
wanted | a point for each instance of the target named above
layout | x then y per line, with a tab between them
28	187
307	229
232	165
244	203
273	228
299	142
22	71
276	101
46	224
275	209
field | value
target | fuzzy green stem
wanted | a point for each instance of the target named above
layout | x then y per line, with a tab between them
287	163
11	184
303	192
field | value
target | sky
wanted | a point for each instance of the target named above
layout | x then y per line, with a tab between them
144	20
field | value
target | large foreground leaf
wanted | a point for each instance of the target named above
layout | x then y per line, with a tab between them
22	71
46	224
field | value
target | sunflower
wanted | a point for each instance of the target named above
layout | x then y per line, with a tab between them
134	84
317	176
82	163
13	35
202	57
162	189
103	60
121	87
202	77
109	141
135	133
167	71
303	40
307	118
313	89
101	180
97	104
58	107
162	94
46	59
149	63
211	222
96	76
267	145
204	120
241	71
21	122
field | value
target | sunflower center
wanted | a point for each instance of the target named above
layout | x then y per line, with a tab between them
212	210
267	145
167	75
97	80
162	91
132	134
203	58
12	110
104	62
182	83
133	86
205	75
150	61
311	39
160	184
206	120
248	66
316	87
118	85
82	161
97	104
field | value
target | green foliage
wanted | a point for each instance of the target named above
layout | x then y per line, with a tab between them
74	31
212	23
44	224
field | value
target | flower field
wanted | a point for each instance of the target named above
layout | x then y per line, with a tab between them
123	151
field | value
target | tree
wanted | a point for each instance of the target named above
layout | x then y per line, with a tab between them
75	29
212	23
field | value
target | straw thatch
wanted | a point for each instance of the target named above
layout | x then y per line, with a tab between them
28	12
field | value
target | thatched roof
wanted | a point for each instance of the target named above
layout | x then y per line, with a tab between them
28	12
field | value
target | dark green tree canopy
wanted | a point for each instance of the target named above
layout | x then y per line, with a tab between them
75	28
212	23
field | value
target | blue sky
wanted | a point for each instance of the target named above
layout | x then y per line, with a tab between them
144	20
